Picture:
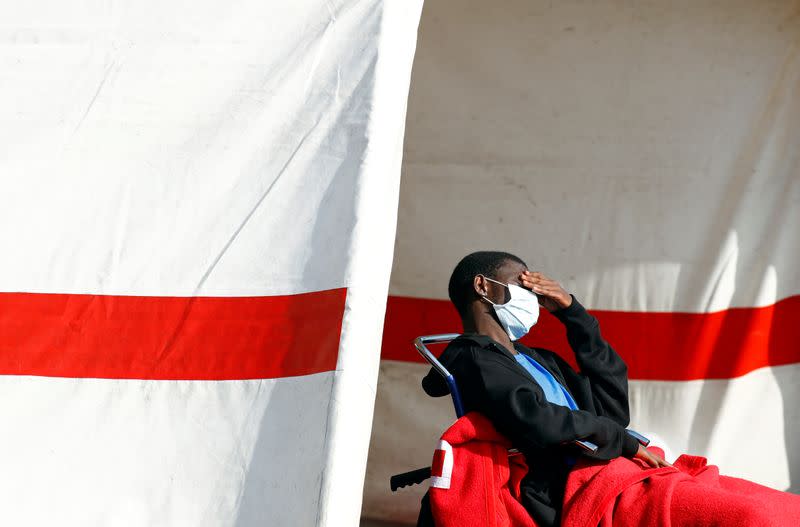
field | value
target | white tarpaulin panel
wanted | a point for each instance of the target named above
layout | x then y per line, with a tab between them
646	155
197	212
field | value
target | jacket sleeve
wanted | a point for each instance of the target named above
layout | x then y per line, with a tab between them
606	372
520	411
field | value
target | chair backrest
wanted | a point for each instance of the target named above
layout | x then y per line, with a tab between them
420	343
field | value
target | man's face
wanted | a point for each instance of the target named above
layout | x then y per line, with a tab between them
508	273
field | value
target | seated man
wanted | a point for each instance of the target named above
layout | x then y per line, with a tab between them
532	396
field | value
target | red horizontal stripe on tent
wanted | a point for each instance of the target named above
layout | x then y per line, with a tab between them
144	337
656	346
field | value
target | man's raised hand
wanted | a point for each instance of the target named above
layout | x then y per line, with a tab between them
551	295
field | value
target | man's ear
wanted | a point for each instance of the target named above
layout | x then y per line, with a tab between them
479	285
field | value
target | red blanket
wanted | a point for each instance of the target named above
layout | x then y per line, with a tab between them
474	481
624	493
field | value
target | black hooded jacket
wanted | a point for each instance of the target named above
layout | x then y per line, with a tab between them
493	383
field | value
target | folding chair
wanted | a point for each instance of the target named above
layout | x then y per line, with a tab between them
421	474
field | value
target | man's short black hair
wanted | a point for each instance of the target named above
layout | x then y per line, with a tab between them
485	263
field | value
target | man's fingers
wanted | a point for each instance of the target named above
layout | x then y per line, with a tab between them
660	461
540	279
536	276
542	285
549	284
539	289
649	459
531	279
532	283
547	290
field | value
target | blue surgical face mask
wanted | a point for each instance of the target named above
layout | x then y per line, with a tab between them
519	314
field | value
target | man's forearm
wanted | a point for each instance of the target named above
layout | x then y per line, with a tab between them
598	362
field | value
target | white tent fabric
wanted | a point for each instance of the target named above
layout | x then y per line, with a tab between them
197	211
647	155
